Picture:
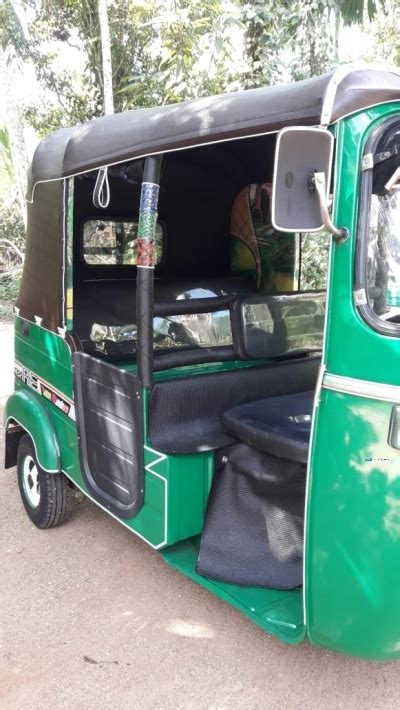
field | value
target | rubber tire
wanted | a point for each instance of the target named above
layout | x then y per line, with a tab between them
57	497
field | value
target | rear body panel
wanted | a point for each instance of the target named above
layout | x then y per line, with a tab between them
175	487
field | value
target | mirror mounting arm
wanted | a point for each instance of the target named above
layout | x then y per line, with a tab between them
318	183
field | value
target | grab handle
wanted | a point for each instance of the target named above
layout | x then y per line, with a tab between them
394	428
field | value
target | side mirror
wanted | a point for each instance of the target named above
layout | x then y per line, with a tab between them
302	175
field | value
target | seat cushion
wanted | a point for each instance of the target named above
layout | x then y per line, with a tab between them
278	425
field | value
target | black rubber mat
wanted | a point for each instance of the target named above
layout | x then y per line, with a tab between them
253	533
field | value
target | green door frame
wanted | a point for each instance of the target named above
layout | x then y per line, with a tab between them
352	539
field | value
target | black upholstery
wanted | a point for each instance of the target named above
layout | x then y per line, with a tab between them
113	303
253	532
185	414
275	325
277	425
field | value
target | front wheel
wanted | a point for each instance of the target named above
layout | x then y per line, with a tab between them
48	498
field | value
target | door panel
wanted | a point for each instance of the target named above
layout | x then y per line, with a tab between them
353	569
352	538
109	420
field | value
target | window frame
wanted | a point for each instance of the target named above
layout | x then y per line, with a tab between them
360	271
114	219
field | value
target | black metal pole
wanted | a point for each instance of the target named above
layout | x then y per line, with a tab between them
145	268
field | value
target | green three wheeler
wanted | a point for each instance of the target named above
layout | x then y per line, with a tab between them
207	345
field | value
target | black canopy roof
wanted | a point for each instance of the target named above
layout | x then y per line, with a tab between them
135	134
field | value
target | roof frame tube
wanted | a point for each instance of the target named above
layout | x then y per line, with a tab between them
146	258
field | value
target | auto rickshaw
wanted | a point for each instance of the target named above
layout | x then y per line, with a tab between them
207	345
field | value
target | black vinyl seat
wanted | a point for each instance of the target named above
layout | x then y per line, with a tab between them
277	425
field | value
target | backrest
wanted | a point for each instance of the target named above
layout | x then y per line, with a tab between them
191	324
275	326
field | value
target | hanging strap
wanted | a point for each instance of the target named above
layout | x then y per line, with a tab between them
101	192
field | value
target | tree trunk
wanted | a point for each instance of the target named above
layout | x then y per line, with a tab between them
108	95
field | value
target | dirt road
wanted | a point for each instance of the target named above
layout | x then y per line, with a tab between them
90	617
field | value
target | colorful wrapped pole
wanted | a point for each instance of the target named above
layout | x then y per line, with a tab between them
145	268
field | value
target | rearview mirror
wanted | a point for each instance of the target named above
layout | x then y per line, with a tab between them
300	153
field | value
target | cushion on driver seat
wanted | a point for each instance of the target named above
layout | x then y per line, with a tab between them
277	425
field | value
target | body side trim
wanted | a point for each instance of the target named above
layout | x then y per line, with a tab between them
362	388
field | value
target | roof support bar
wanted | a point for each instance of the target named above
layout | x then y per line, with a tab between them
145	268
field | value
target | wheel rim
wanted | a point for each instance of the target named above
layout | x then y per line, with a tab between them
30	478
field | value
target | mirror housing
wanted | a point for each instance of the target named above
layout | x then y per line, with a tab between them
300	153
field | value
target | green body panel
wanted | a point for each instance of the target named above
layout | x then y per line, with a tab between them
25	408
276	611
176	487
353	575
352	544
46	354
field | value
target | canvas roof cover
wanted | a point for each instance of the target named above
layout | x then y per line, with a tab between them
137	133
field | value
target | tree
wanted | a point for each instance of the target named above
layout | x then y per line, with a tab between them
354	11
10	56
108	94
314	42
382	37
162	51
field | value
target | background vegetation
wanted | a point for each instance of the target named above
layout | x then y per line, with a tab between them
66	61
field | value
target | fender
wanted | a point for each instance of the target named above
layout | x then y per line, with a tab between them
26	410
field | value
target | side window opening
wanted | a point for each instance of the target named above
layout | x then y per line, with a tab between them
114	242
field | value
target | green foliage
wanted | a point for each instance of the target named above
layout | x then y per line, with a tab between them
268	27
314	260
315	38
12	37
383	36
12	246
9	288
11	224
7	174
353	12
191	31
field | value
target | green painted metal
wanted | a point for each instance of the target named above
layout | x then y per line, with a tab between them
25	408
44	352
176	487
276	611
353	511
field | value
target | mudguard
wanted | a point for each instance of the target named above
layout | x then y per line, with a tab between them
25	409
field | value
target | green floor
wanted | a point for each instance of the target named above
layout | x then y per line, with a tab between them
277	612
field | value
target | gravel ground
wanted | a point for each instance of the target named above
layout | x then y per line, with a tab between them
90	617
